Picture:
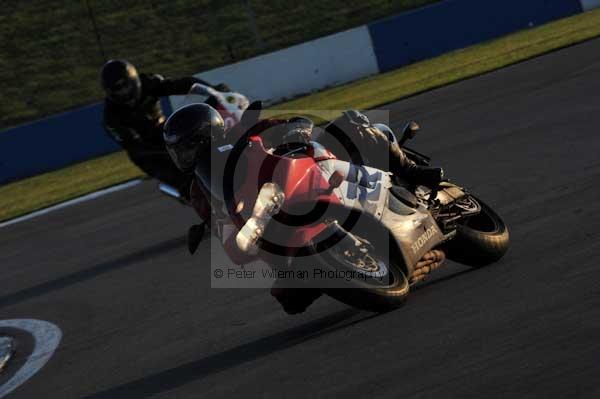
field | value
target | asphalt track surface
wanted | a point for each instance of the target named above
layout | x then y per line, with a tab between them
139	318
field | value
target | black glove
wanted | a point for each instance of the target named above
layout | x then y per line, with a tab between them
424	175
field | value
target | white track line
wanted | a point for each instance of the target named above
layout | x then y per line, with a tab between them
47	336
74	201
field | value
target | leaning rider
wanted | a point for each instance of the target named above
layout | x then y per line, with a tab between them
195	134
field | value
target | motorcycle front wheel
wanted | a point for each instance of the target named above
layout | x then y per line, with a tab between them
377	283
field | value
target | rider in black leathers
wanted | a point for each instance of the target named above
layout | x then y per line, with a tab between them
134	118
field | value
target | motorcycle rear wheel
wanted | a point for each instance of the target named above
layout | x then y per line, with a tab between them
482	239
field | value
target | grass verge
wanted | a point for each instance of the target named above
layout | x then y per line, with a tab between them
44	190
51	188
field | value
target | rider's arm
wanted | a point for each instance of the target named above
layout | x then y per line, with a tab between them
116	130
199	202
229	231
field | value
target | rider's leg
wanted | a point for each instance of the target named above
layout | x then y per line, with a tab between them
354	130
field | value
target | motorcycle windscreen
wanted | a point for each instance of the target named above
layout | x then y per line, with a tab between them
183	155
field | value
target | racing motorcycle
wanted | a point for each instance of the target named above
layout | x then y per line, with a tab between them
353	220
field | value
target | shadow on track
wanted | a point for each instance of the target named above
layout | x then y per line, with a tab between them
175	377
438	280
94	271
199	369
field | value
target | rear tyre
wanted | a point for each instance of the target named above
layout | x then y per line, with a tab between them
481	240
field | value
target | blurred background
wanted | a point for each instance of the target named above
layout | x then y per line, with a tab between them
51	50
293	55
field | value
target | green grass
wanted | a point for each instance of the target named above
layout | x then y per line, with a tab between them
50	58
454	66
50	188
40	191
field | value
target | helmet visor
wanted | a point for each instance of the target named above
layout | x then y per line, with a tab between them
125	91
184	153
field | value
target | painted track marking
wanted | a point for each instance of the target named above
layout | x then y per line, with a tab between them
74	201
47	336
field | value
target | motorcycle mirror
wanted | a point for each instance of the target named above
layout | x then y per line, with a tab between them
409	131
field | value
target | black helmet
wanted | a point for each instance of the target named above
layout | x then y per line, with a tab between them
357	118
300	128
121	82
191	130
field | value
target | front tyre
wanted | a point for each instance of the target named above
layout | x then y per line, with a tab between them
482	239
373	298
379	283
